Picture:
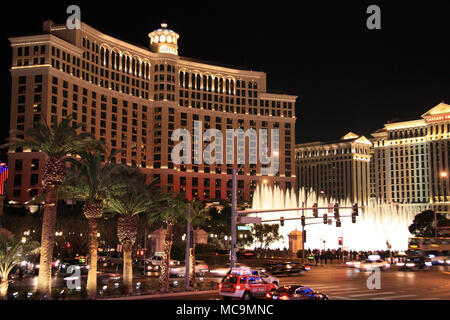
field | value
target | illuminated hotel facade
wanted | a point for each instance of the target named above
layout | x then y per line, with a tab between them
340	169
404	162
411	159
133	98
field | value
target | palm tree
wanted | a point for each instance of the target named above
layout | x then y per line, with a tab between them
199	216
91	181
171	210
12	251
56	142
133	198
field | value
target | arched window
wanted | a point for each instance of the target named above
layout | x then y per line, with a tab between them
205	83
232	87
161	67
181	76
221	85
123	63
198	85
102	56
186	80
227	86
107	58
128	65
209	83
169	68
193	81
216	84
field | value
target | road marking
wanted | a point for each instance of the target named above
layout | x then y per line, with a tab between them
371	294
430	299
354	290
396	297
341	298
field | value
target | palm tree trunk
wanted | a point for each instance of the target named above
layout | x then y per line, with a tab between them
47	241
165	267
192	279
4	287
128	265
93	247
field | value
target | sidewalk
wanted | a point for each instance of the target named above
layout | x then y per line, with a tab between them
161	295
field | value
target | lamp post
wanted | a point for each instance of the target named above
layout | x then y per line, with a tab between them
234	211
188	247
443	175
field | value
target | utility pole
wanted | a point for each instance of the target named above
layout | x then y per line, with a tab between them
233	221
188	247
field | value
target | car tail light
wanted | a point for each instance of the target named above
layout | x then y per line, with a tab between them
238	287
220	286
284	298
268	295
307	268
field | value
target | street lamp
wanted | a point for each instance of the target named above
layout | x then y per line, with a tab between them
443	175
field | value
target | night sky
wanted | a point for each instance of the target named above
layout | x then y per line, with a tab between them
347	77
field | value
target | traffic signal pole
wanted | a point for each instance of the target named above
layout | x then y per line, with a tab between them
234	215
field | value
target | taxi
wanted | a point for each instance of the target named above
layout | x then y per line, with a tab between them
242	284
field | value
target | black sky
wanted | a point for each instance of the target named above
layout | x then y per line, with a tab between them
346	76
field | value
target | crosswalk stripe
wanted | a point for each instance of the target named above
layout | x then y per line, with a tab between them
371	294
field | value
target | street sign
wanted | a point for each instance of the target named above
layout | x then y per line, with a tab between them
245	220
248	228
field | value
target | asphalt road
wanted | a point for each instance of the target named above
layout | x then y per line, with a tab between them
343	283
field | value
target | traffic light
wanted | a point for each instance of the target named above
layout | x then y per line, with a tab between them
304	236
282	221
315	210
325	218
340	241
355	209
338	223
336	211
303	221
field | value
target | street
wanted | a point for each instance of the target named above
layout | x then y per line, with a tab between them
342	283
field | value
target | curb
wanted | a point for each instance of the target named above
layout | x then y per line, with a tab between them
161	295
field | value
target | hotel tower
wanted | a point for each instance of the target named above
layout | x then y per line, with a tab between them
133	98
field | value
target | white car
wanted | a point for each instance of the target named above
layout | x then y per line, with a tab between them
368	265
157	261
201	268
265	276
222	271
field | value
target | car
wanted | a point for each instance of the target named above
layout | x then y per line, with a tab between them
295	292
279	268
222	271
241	284
438	258
201	268
245	254
265	276
80	262
157	261
415	263
369	265
106	277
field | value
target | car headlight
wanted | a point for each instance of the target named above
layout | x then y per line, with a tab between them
410	264
400	264
428	264
441	261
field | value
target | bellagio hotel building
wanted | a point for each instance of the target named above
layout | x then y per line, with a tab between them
133	98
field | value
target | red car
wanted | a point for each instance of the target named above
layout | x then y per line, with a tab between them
241	284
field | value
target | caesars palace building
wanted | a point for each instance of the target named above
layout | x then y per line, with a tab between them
133	98
404	162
